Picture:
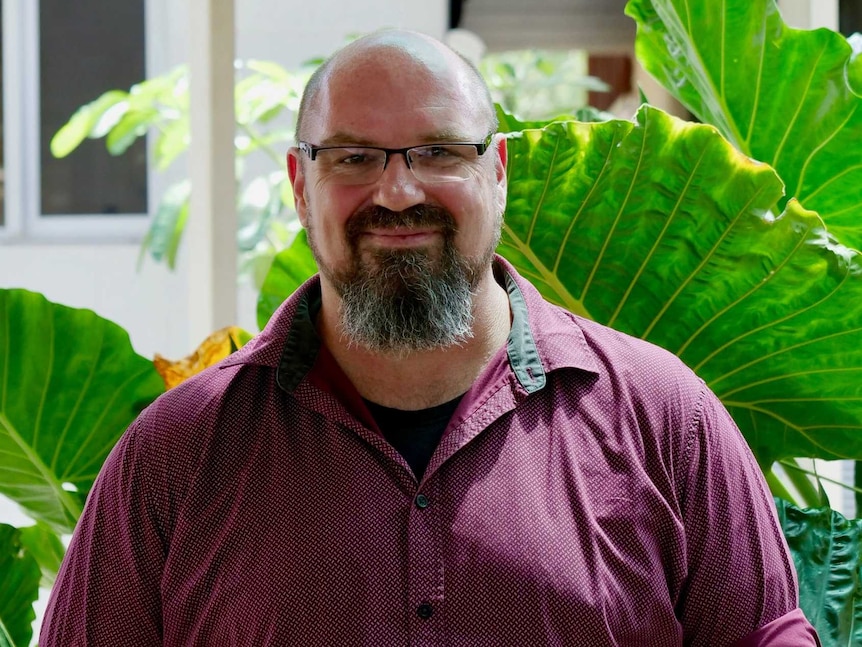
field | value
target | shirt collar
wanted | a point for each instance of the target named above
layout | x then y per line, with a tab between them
543	337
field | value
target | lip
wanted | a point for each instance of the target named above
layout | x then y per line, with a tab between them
400	237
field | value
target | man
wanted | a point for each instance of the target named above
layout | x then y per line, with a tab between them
419	450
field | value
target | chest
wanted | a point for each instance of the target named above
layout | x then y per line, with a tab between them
521	533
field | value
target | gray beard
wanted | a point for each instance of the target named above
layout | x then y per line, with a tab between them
405	300
407	303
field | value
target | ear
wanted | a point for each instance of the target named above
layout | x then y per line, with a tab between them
502	153
297	182
500	160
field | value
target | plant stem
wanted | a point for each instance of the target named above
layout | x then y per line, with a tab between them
777	487
799	478
856	488
266	148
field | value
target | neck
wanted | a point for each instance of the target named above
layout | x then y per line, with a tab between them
420	379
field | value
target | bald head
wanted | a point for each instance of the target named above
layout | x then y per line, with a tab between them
409	59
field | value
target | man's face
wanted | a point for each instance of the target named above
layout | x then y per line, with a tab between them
404	256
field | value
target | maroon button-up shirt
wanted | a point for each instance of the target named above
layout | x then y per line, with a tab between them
589	490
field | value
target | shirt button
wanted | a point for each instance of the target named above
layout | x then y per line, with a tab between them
422	501
424	611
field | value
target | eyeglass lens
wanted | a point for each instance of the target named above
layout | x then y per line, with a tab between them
432	163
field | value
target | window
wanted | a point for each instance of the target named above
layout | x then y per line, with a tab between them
57	56
85	48
850	16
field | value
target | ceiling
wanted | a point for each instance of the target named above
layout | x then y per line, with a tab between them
595	25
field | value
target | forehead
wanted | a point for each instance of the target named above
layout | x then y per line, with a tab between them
394	95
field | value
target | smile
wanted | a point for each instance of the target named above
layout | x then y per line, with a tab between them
396	238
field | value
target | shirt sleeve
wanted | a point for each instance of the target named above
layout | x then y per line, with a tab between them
107	590
790	629
736	552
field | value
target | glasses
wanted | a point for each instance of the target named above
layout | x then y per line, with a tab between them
431	163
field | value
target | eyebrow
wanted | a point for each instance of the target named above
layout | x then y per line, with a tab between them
346	139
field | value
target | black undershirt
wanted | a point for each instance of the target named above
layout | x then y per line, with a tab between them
415	434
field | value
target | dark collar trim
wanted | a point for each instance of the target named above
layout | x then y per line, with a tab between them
302	345
523	352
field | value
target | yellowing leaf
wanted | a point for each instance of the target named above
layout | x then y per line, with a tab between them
214	348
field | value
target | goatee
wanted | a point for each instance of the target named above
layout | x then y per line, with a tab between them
398	301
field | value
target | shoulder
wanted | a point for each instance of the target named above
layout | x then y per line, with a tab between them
643	364
567	340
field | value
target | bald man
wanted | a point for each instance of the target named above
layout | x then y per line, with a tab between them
418	449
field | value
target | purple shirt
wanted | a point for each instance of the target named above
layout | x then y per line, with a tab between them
589	490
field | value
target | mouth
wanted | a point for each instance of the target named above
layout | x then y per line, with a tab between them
398	238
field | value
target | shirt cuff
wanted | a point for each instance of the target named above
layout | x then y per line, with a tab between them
790	629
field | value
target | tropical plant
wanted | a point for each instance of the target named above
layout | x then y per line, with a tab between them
70	384
266	99
540	84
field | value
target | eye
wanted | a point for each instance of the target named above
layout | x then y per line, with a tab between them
348	158
352	157
439	151
446	151
443	154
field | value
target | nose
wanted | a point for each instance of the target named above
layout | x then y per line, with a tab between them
398	189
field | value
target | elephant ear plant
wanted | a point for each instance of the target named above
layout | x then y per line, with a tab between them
792	99
70	383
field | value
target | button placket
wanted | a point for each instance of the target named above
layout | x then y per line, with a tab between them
425	558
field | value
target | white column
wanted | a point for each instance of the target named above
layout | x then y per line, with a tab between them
210	235
810	14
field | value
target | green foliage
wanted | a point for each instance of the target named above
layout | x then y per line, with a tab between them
538	84
827	552
854	66
19	588
289	269
661	229
778	94
95	117
70	384
46	548
267	97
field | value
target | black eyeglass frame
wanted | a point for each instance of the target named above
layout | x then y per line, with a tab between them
311	150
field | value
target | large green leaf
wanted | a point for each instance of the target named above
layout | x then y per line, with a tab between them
780	95
19	588
289	269
827	551
46	548
663	230
70	383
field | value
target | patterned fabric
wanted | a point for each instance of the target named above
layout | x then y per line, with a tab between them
588	490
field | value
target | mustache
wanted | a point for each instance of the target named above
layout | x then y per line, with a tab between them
421	215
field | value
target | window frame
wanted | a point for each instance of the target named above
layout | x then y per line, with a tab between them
24	220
